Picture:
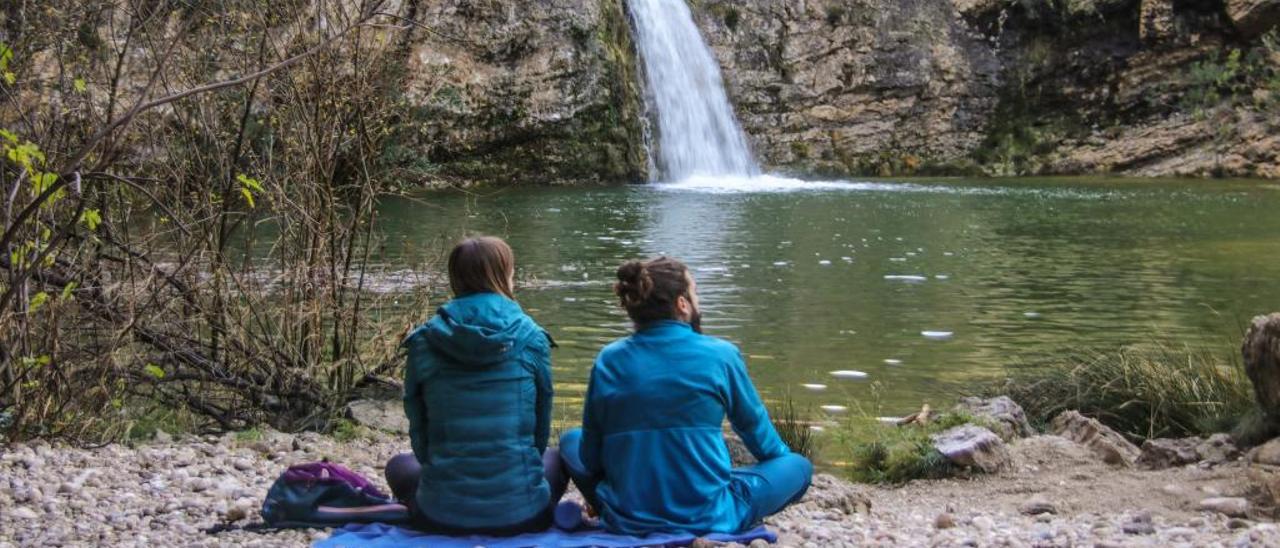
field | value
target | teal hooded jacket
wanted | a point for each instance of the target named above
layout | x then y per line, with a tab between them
478	394
652	431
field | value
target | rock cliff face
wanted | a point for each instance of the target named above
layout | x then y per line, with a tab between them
1151	87
839	87
548	91
542	91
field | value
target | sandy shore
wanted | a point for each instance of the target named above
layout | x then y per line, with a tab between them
168	493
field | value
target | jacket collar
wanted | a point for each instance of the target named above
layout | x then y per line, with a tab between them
664	327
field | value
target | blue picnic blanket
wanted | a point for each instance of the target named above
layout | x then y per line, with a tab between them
377	535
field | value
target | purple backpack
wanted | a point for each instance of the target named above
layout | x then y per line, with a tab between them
324	494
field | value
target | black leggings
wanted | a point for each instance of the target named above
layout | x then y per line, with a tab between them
403	471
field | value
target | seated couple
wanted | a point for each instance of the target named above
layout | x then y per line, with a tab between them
650	456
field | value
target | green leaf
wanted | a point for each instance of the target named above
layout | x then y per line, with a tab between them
42	181
39	361
154	371
6	55
248	197
66	291
10	78
249	182
80	85
91	218
9	136
37	301
248	186
27	155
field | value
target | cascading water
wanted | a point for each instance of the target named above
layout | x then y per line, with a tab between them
697	132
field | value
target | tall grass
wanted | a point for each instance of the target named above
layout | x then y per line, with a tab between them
794	427
1146	391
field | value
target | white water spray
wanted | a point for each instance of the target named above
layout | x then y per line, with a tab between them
697	132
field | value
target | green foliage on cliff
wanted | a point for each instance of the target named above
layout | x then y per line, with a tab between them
1236	77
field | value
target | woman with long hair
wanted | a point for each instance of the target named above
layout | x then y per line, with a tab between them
477	393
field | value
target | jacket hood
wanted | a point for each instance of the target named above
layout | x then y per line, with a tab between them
479	329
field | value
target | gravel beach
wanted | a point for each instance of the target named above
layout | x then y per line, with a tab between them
169	492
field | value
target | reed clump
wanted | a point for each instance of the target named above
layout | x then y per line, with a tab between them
794	427
1147	391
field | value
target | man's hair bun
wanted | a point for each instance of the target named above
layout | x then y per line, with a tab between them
634	283
649	289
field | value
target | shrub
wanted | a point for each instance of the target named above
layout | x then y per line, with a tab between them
887	453
1232	76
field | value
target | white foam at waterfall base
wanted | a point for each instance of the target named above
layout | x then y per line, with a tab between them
732	184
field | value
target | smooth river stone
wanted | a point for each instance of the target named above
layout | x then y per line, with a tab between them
835	409
815	387
937	335
942	277
892	361
1031	314
824	262
847	374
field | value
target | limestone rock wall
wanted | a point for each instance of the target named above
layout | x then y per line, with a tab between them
844	86
1003	87
539	91
547	91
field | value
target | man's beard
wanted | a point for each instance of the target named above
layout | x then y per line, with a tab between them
695	321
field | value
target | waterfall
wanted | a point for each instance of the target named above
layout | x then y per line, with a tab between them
697	133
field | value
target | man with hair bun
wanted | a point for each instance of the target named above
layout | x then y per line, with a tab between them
651	456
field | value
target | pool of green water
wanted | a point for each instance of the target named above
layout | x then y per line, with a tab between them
812	280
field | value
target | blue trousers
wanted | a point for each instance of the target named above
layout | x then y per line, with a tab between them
770	485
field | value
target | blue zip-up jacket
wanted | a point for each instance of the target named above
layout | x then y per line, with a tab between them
652	431
477	392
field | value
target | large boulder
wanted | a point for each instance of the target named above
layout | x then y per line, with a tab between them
1103	441
1254	17
1158	454
974	447
831	493
1004	416
1261	353
1218	449
1161	453
385	415
1264	470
